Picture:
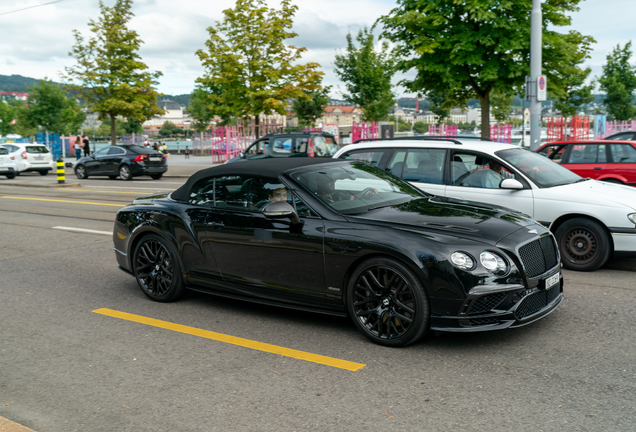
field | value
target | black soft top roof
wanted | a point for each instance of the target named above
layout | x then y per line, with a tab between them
271	167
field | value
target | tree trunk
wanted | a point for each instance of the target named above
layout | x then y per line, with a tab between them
113	134
485	115
257	122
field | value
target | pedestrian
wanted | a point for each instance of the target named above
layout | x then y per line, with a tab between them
155	146
146	143
165	148
87	145
78	148
187	154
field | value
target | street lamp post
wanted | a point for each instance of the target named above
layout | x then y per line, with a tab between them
535	74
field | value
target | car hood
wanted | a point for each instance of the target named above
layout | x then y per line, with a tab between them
461	218
596	192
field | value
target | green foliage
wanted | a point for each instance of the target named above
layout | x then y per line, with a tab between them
169	128
199	109
400	124
249	68
311	108
367	75
7	114
420	127
501	104
109	75
133	126
49	108
473	47
104	130
439	105
16	83
619	82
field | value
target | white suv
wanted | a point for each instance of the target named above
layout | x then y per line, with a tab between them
590	219
31	157
7	164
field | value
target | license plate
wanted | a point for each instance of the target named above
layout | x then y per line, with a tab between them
551	281
39	157
155	158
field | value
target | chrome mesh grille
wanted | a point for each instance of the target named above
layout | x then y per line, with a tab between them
539	256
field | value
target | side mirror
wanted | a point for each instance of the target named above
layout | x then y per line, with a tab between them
242	155
510	184
281	210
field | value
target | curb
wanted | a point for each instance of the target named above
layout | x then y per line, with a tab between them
56	185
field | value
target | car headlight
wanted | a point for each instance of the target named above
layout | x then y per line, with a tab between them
462	260
632	217
493	263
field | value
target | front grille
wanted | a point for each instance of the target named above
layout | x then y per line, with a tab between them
483	321
539	256
487	303
535	302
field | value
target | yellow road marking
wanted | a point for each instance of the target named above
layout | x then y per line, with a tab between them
246	343
63	201
113	192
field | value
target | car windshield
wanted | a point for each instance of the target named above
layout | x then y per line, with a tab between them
355	187
541	170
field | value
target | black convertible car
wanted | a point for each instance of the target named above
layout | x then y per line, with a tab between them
125	161
342	237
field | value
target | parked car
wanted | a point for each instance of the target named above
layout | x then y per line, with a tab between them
590	219
7	164
125	161
31	157
613	162
342	237
300	144
622	136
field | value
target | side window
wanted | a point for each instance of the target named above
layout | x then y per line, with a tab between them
370	157
320	146
302	209
396	164
282	145
623	153
621	137
301	145
115	151
585	154
554	152
259	147
202	193
480	171
424	165
4	151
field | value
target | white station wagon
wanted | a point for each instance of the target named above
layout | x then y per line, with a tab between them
590	219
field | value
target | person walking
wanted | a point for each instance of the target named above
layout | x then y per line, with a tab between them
87	145
77	148
187	154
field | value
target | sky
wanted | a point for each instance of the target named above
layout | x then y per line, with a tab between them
37	35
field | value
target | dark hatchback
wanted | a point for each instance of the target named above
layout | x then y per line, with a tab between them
123	161
310	144
343	238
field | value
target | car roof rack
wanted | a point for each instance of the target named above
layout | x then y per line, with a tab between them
420	138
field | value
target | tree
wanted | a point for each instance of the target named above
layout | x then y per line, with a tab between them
438	104
420	127
367	75
473	47
249	69
312	107
619	82
133	126
109	75
501	104
7	117
49	108
199	110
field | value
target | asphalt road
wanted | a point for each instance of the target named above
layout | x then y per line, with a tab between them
64	367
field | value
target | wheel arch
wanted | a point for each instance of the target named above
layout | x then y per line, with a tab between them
144	231
554	226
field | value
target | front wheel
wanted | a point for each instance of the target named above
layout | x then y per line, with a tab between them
125	173
10	176
44	172
157	269
80	172
387	303
584	244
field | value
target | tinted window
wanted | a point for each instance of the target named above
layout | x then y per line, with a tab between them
623	153
282	145
116	151
554	152
102	152
623	136
396	164
36	149
371	156
245	193
424	165
587	154
257	148
474	170
4	151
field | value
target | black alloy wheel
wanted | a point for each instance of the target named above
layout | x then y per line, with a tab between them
125	173
80	172
44	172
157	269
584	244
387	302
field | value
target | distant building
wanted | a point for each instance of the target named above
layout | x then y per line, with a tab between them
341	115
7	95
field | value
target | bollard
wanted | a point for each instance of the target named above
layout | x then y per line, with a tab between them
60	171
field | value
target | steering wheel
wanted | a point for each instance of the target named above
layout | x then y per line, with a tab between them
368	192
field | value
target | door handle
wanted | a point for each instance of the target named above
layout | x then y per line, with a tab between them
215	224
598	168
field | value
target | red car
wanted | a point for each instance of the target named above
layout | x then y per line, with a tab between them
610	161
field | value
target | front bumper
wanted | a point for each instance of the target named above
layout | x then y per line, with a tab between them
624	242
506	307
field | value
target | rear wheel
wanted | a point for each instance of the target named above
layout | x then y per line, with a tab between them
44	172
584	244
10	176
387	302
156	176
80	172
157	269
125	173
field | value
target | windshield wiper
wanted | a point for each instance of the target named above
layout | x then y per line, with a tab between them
582	180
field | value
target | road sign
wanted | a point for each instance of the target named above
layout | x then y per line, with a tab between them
542	88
